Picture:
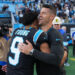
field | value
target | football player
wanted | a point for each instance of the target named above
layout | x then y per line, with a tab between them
19	63
48	63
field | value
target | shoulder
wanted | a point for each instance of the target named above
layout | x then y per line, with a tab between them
53	32
39	36
54	35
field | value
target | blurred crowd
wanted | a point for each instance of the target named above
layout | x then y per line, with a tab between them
65	8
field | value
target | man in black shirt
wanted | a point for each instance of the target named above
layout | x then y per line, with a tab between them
48	63
17	62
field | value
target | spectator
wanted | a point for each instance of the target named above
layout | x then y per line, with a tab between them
71	13
66	61
4	48
56	24
73	42
66	20
72	20
67	11
5	8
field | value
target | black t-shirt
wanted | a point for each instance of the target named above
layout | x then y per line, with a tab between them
19	63
48	64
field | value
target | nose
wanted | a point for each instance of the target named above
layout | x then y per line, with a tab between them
40	15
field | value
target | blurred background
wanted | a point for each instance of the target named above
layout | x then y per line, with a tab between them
11	11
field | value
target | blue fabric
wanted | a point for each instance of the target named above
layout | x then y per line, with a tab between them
2	63
71	12
7	38
12	7
65	43
61	31
4	15
17	26
73	34
36	36
70	42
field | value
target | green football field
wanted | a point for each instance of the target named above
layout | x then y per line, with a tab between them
70	70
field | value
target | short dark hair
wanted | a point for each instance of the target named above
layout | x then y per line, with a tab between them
29	17
52	8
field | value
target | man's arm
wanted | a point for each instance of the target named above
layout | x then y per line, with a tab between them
51	58
54	57
63	59
45	57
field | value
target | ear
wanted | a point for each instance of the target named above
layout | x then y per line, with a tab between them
52	17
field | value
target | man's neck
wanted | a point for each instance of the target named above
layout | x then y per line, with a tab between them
45	28
27	27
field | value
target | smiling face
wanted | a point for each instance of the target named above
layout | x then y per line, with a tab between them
44	17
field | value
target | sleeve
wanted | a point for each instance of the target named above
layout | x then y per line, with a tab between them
39	37
57	51
46	58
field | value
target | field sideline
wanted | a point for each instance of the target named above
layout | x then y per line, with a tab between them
71	69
